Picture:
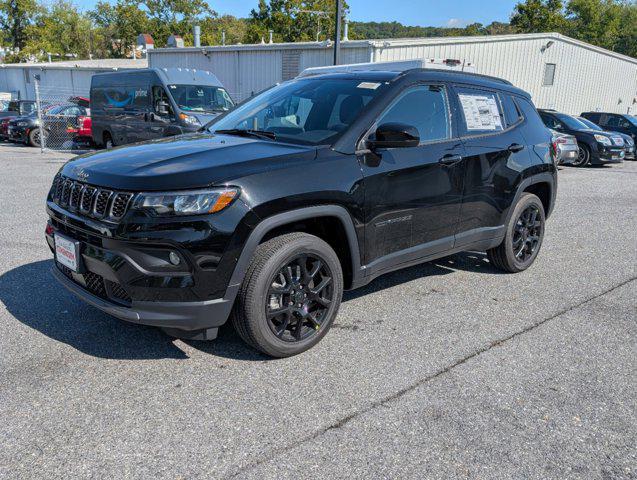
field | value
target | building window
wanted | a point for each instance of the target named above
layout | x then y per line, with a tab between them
549	74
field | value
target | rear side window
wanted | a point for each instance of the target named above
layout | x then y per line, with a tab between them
511	113
424	107
535	131
481	111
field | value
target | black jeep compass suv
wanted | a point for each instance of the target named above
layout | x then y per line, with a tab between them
317	185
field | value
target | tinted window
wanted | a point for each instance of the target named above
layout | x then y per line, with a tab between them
309	111
424	108
481	111
589	124
550	121
160	95
571	122
593	117
530	114
511	113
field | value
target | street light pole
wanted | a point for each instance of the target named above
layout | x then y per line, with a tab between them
337	33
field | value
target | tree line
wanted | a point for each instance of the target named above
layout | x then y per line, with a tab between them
33	29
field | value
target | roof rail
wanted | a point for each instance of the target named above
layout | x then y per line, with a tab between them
395	66
472	74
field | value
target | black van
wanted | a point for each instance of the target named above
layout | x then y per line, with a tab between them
136	105
617	122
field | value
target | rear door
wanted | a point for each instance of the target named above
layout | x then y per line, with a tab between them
413	195
494	150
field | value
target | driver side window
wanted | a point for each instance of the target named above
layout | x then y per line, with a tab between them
423	107
160	99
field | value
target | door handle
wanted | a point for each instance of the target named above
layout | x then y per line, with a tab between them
450	159
515	147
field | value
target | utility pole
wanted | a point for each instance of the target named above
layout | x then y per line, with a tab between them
337	33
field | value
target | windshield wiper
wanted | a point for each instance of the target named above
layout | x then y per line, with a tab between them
248	133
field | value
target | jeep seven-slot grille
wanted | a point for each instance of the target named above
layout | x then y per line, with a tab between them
90	200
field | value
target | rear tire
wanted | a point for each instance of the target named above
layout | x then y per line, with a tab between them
290	295
523	238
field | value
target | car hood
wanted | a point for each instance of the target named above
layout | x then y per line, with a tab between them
183	162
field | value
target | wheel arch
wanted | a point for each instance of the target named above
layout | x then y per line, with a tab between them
544	184
313	220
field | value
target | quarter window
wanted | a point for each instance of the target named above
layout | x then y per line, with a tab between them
511	113
425	108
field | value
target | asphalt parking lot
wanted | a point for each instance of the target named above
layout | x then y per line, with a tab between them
442	371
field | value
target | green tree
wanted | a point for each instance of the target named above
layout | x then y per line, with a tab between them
235	28
167	17
118	26
532	16
15	17
595	21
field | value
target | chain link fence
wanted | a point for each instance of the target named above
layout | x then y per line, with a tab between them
62	121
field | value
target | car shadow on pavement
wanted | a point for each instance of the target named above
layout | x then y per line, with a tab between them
33	297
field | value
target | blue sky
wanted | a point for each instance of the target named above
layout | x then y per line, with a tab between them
408	12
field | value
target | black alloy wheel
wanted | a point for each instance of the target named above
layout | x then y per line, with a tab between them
299	297
527	234
523	238
290	294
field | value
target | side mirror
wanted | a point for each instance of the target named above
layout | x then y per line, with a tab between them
162	108
394	135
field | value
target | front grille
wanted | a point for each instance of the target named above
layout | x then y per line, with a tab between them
120	204
90	200
101	203
86	205
98	285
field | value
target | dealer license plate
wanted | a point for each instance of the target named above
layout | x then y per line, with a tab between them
67	252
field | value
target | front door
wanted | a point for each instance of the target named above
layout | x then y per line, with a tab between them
413	195
161	118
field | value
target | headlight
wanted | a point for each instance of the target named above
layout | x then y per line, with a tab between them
186	203
603	140
22	124
190	120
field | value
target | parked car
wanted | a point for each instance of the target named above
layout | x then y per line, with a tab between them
566	147
133	106
616	122
629	144
595	148
61	124
317	185
17	108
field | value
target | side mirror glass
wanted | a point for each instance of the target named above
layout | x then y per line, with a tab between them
394	135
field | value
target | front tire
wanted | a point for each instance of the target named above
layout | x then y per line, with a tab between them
524	235
583	156
290	295
35	138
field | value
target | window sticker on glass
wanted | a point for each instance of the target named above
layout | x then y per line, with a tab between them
481	112
369	85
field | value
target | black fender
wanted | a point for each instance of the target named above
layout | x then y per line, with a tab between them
280	219
544	177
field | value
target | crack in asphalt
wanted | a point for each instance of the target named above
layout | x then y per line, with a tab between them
382	402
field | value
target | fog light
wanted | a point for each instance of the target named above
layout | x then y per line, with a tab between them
174	258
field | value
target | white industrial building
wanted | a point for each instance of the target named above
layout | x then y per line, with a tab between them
73	77
560	72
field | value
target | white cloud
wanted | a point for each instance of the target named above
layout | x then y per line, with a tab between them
456	23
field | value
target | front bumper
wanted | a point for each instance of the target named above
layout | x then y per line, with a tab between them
606	154
18	134
133	281
172	315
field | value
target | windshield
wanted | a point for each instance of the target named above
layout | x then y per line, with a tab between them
590	124
632	119
572	122
202	99
311	111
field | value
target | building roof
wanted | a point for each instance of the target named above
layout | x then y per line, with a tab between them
99	64
402	42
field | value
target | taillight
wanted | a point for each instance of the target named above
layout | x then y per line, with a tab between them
49	229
